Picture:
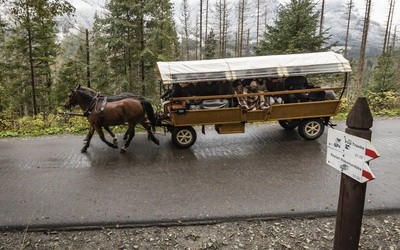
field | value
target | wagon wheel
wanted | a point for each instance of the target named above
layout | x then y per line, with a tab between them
311	129
183	137
289	124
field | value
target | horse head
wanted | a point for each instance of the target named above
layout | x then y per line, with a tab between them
71	100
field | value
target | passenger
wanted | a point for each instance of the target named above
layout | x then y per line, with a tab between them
296	83
195	89
330	95
254	102
274	84
262	84
238	89
246	82
224	88
184	90
178	90
207	88
315	96
275	100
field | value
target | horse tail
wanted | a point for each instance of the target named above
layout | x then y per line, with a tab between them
149	111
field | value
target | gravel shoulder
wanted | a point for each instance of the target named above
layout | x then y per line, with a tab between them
378	232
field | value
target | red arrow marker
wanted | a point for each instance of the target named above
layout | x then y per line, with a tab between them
367	175
371	153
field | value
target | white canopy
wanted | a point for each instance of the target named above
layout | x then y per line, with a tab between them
252	67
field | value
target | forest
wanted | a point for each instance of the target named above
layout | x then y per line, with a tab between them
119	52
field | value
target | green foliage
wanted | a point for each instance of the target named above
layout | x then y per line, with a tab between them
345	106
385	104
38	125
30	48
385	74
53	124
210	49
383	101
136	34
294	30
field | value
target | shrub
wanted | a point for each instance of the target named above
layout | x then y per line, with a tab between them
387	100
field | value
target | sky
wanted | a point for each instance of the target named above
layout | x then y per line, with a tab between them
379	9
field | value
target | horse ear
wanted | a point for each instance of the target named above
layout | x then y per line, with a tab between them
79	86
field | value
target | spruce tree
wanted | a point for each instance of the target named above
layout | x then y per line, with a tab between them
137	35
385	74
295	30
4	92
32	48
100	70
210	48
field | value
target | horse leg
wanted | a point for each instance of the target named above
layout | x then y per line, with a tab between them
150	134
126	135
88	134
101	134
131	133
115	141
88	139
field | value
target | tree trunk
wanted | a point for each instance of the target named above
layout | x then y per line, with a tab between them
258	22
87	59
185	16
201	30
206	31
31	62
388	28
321	22
241	29
348	27
224	28
361	63
142	47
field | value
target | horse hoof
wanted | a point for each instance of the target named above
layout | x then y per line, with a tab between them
155	140
122	150
83	150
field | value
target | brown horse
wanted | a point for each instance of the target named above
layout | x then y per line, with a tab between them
148	107
101	113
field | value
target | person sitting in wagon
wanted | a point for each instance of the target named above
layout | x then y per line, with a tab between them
253	102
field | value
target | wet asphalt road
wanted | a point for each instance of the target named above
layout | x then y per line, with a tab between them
46	182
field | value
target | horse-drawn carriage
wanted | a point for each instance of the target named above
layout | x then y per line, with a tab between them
289	97
226	93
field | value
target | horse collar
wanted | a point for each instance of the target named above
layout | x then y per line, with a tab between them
92	104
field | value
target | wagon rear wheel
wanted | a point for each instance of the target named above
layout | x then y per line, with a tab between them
183	137
311	129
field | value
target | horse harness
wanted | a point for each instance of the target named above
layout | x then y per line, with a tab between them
93	104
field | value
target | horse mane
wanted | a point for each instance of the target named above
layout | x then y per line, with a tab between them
85	94
88	91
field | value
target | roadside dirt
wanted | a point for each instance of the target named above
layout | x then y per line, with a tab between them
378	232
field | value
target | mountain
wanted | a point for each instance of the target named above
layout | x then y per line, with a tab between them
335	21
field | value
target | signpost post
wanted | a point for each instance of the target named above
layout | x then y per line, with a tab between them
349	153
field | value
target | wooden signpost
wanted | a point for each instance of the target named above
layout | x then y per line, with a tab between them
350	153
